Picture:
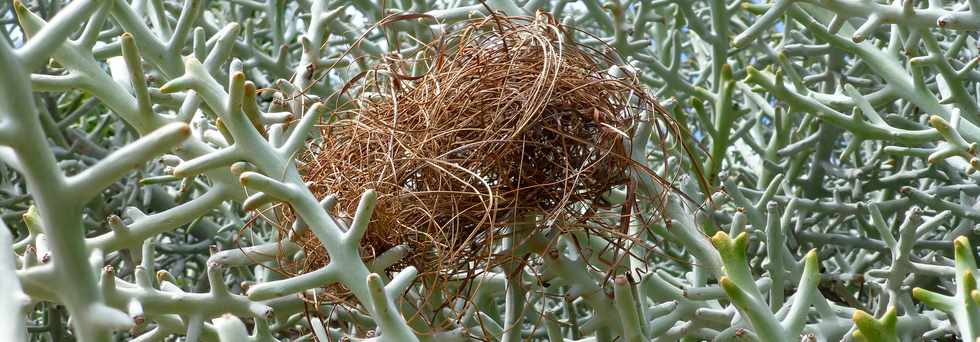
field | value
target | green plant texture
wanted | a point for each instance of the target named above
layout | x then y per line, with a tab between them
828	193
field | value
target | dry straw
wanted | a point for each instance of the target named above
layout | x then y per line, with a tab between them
507	118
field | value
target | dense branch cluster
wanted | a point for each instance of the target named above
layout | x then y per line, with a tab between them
818	182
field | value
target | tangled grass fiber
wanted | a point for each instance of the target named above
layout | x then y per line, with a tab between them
507	119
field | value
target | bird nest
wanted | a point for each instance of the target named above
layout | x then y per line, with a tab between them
506	118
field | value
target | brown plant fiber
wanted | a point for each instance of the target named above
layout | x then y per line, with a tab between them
507	118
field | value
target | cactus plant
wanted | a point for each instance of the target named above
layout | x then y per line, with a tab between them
817	181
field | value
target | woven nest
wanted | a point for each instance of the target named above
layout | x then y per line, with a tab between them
507	118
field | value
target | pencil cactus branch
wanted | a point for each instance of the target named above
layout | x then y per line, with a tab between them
961	307
817	181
